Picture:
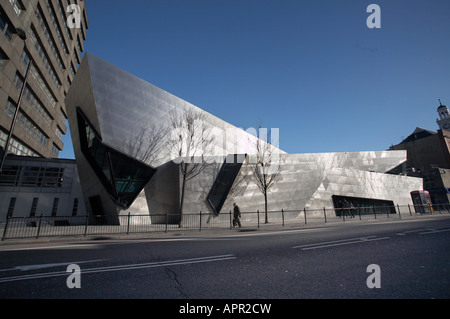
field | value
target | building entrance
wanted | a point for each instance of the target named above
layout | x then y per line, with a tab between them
352	206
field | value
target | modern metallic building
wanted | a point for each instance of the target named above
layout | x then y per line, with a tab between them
127	164
53	46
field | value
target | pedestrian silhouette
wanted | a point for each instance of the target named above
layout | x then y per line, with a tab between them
236	215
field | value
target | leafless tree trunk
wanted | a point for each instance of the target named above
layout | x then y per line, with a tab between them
147	144
265	166
189	144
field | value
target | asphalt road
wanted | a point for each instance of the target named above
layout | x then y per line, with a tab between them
320	262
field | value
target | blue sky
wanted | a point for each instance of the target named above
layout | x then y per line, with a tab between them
311	68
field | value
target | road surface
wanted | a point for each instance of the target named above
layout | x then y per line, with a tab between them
396	259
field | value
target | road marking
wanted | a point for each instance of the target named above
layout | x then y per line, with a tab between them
51	265
340	242
433	231
332	242
428	230
122	267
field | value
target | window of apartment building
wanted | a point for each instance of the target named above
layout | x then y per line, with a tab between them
85	20
34	207
72	69
62	116
18	6
5	25
19	148
55	207
3	59
80	47
62	14
26	123
59	133
55	150
44	56
25	57
76	56
16	147
56	26
51	41
29	95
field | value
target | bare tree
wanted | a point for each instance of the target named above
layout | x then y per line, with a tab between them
265	165
147	143
190	142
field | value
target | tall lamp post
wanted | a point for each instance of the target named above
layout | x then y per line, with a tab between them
22	34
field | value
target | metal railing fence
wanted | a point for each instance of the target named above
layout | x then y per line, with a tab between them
45	226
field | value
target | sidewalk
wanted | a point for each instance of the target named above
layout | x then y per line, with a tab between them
213	232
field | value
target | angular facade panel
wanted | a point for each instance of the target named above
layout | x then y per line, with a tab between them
132	123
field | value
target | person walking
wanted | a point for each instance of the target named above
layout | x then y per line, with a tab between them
236	215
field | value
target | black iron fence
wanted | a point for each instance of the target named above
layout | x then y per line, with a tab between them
45	226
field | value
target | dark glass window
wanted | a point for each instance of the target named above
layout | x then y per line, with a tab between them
12	204
5	25
362	206
129	178
33	207
53	177
2	21
9	176
223	183
55	207
30	176
122	176
3	59
75	207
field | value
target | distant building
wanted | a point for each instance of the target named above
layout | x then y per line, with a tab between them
54	50
429	157
31	186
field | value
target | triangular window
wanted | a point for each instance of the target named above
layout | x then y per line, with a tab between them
122	176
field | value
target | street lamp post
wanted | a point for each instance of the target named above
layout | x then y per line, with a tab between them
22	34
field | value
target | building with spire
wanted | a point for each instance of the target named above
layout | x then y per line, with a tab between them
444	117
429	157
